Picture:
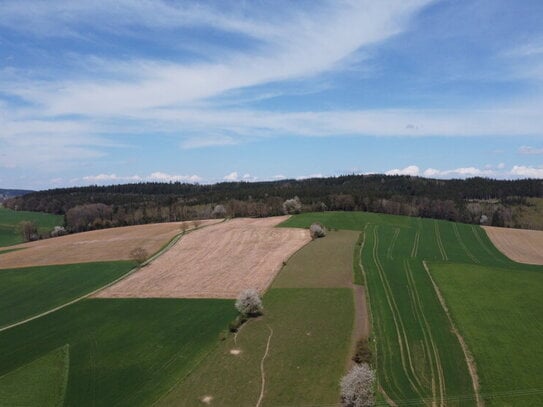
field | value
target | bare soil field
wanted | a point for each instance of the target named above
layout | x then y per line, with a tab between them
520	245
98	245
215	262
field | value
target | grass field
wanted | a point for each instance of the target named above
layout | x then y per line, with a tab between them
9	220
310	338
122	352
419	359
29	291
44	381
502	323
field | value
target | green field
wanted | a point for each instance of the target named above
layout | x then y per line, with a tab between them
26	292
310	311
419	359
9	220
122	352
502	322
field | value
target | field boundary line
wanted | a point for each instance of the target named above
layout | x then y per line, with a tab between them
463	245
82	297
472	367
262	372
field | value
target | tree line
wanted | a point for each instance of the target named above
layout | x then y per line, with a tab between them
472	200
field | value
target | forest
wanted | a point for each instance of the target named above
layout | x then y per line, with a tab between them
473	200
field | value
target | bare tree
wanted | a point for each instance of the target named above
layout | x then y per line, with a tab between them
249	303
317	230
28	230
292	206
139	254
357	387
219	211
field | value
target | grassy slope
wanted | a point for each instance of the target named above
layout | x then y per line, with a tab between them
461	247
41	383
10	219
26	292
502	324
123	352
310	342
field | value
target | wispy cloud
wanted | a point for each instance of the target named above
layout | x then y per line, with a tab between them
153	177
530	150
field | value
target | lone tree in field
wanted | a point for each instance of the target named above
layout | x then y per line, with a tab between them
219	211
249	303
292	206
28	230
139	254
317	230
357	387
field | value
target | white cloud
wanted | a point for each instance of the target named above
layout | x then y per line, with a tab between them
233	176
317	175
530	150
153	177
462	172
412	170
207	141
527	171
278	177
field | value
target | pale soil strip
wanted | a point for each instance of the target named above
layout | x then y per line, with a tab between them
391	247
472	367
464	247
397	320
217	262
263	385
98	245
440	242
428	333
415	248
520	245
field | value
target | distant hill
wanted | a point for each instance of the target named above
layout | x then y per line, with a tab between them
11	193
466	200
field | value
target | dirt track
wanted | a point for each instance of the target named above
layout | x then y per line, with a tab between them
216	262
98	245
521	245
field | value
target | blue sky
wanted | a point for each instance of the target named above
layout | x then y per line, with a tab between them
127	91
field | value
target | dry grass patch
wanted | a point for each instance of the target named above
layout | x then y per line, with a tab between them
98	245
520	245
216	262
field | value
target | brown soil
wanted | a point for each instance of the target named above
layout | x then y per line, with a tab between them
99	245
216	262
520	245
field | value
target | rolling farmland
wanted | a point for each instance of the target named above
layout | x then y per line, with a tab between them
420	357
10	219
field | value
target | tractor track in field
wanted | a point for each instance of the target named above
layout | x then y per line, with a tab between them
463	245
440	242
483	245
431	348
392	244
405	352
470	361
415	249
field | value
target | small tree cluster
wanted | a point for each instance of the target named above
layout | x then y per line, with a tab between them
292	206
139	254
357	387
249	303
28	230
58	231
317	230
